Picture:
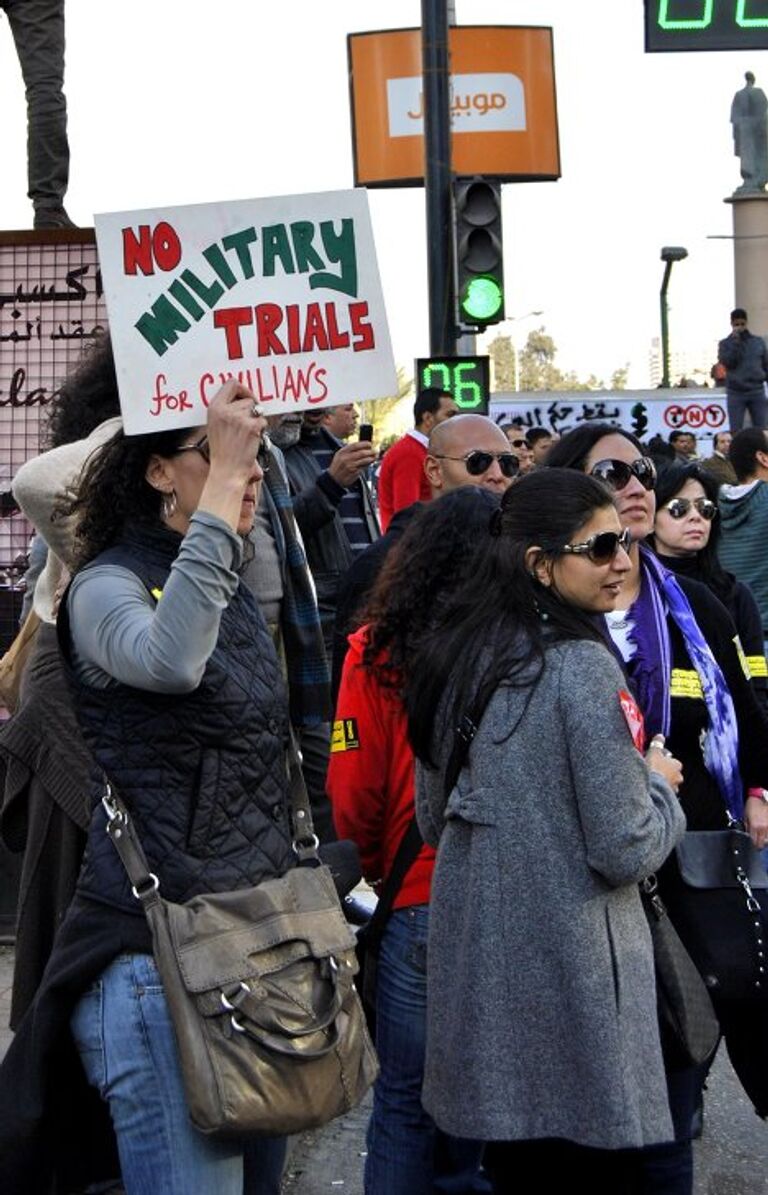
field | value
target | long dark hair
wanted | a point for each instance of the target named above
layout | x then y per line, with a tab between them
433	556
668	485
572	450
113	490
491	629
87	397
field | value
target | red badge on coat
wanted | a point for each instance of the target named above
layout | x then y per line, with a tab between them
635	721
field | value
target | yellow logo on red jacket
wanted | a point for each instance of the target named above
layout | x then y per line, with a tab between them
345	736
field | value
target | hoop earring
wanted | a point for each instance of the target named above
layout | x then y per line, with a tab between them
169	505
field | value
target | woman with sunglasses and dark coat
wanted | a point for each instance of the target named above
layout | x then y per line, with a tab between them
685	538
677	644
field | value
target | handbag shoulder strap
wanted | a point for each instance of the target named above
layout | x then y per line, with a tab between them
407	853
463	734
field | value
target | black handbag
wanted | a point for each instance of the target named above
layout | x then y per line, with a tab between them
688	1027
716	894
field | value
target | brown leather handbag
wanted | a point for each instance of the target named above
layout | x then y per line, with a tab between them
260	987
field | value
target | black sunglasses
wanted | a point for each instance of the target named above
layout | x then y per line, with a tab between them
519	444
679	507
201	446
602	547
618	474
478	462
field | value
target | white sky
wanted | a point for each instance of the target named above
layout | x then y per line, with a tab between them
174	102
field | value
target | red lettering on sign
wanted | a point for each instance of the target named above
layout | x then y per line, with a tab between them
160	245
168	402
361	328
232	319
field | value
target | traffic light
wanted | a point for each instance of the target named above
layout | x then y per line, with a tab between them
479	250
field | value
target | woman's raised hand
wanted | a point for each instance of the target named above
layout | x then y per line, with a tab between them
234	430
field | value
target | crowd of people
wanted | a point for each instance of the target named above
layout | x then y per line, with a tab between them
515	700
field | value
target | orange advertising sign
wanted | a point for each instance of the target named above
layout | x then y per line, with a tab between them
503	104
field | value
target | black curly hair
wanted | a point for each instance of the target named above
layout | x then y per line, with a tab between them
87	397
113	490
433	556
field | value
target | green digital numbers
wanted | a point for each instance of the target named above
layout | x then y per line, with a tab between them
669	22
466	379
706	25
752	22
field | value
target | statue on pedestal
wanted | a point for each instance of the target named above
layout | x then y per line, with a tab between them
749	117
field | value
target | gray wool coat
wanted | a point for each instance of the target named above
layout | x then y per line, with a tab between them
541	994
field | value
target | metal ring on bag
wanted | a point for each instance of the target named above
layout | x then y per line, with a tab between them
238	1028
227	1004
153	886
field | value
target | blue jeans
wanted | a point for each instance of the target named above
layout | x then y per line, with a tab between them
407	1154
124	1036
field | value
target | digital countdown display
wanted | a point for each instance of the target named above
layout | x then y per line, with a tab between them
466	379
706	25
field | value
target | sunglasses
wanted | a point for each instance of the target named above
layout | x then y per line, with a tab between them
679	507
618	474
519	444
601	548
202	446
478	462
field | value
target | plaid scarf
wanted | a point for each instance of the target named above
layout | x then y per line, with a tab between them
307	667
661	597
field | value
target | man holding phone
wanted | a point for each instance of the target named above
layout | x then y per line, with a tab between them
746	369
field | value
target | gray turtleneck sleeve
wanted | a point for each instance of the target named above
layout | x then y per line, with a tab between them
122	633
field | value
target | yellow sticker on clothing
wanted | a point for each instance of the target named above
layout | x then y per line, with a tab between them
757	665
685	682
344	736
743	660
156	593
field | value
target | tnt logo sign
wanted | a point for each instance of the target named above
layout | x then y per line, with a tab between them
695	416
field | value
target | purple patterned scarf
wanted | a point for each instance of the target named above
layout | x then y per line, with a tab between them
661	597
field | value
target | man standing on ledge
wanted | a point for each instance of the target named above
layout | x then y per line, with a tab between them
746	368
402	479
38	32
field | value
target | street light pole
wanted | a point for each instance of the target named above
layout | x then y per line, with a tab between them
669	255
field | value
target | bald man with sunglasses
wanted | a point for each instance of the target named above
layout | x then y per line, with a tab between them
470	450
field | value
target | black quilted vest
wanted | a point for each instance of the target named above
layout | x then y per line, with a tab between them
203	773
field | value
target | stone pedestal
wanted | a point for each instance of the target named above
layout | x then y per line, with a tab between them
750	257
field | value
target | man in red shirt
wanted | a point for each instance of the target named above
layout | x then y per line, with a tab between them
402	479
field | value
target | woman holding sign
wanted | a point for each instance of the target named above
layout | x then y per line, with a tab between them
180	697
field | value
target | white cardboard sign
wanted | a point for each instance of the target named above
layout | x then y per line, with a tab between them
282	294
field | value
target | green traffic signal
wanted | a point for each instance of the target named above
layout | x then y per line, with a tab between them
479	251
482	299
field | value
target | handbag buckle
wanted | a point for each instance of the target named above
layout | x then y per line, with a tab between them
151	884
116	817
231	1002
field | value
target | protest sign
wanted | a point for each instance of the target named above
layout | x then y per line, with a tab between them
282	294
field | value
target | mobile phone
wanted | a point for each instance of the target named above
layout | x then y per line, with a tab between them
365	431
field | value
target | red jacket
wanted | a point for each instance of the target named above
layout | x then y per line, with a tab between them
370	776
402	479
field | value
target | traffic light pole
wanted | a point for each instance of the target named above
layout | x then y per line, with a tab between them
437	176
